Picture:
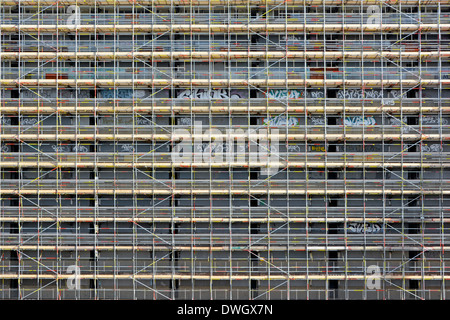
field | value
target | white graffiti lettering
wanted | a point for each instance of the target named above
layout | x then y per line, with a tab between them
432	148
317	121
433	120
209	94
281	121
80	149
364	227
127	148
359	121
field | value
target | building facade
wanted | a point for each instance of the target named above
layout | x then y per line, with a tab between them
224	149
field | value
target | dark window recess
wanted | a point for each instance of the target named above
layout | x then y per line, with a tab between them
332	121
333	229
413	284
412	121
253	121
92	231
13	147
414	254
92	121
14	284
411	94
14	202
174	202
253	94
332	148
413	228
333	202
254	228
174	228
14	257
254	175
412	202
254	288
254	202
413	175
331	93
412	147
93	284
333	286
14	229
254	13
92	175
14	174
332	175
14	121
92	94
254	256
332	255
174	284
14	94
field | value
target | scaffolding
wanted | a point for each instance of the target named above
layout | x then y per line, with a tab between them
224	149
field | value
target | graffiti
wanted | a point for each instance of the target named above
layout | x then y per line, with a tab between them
317	121
368	94
318	148
291	38
367	148
5	120
281	121
51	94
4	148
432	148
121	93
127	148
293	148
28	121
374	15
359	121
293	94
433	120
400	122
364	227
80	149
211	94
143	121
185	121
213	147
61	148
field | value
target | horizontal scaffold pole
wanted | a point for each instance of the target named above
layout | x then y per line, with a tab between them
230	191
222	83
231	55
370	164
218	2
234	136
64	107
223	28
